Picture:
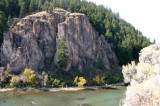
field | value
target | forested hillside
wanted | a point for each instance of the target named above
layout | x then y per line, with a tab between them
127	41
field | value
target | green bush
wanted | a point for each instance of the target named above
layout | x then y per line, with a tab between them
30	76
117	79
15	81
56	83
50	81
53	82
100	81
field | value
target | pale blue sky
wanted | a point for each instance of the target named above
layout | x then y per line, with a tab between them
143	14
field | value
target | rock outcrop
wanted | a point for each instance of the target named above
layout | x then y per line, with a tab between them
33	42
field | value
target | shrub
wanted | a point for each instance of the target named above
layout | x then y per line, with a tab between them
139	73
15	81
53	82
150	54
117	79
76	80
144	72
129	71
145	94
30	76
144	89
56	83
63	84
80	81
5	77
50	81
100	81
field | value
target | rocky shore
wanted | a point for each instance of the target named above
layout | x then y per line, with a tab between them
110	86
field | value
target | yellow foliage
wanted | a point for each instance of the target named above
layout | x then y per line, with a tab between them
30	76
100	81
28	72
80	81
32	79
76	80
15	81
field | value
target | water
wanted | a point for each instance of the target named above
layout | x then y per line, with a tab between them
62	98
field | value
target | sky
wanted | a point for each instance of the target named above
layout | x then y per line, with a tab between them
144	15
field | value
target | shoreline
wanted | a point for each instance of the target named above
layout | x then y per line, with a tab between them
110	86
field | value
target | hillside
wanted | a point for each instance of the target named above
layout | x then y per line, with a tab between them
126	40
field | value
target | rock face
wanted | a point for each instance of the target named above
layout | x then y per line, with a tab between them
33	43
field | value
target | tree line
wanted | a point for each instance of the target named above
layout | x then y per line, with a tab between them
127	41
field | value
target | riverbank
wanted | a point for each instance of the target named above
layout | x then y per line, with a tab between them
110	86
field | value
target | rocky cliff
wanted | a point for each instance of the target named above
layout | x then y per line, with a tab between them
33	42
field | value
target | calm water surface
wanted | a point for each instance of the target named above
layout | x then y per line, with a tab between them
62	98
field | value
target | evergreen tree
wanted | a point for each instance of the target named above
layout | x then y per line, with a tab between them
9	18
62	53
32	6
99	62
3	25
23	9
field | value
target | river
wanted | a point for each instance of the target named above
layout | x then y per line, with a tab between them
102	97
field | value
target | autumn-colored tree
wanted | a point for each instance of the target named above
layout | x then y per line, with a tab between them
30	76
80	81
15	81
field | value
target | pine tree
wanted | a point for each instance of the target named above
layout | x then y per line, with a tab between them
62	53
99	62
32	6
3	25
9	17
23	9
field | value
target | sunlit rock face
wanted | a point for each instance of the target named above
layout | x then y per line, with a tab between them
33	43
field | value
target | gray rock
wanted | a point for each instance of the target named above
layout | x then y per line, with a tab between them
33	41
